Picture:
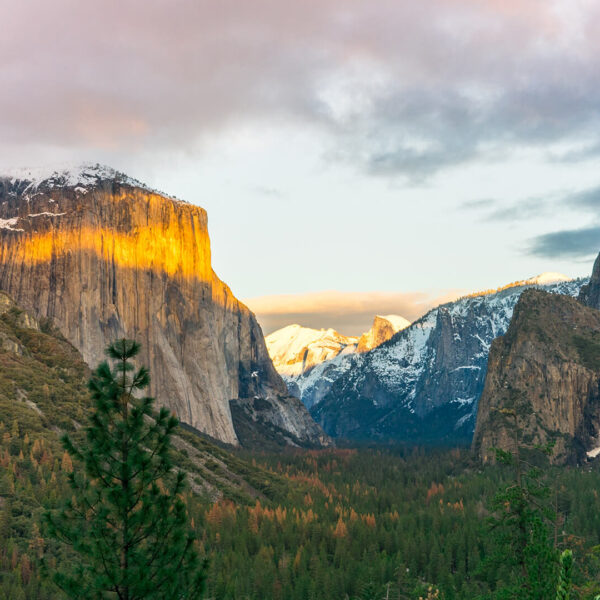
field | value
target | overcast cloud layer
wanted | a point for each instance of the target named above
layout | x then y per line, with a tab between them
349	144
402	87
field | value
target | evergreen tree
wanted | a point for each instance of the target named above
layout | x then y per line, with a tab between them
525	556
563	592
126	519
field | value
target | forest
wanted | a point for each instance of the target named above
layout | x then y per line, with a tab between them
364	523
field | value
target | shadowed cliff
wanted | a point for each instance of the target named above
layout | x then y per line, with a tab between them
546	369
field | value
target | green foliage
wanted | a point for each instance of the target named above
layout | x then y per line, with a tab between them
125	520
524	553
563	591
520	526
588	347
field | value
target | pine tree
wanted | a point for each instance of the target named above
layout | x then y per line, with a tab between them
563	592
522	515
126	520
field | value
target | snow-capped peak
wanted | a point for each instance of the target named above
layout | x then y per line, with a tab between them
295	349
79	176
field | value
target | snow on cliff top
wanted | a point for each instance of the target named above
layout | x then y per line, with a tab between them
398	322
295	349
80	176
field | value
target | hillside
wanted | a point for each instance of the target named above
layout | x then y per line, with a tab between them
43	393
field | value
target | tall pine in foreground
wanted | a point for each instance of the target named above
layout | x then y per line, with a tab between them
126	520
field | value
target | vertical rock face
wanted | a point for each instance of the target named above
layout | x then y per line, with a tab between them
546	369
383	329
105	257
590	293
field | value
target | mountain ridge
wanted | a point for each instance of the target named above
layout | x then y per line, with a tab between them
298	352
424	383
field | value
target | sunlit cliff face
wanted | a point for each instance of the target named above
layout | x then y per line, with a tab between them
144	248
172	242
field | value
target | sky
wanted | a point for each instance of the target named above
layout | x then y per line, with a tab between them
355	157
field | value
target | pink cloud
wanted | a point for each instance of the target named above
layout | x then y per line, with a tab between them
173	73
350	313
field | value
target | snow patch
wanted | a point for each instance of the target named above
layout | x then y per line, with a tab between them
79	176
9	224
463	420
547	278
593	452
463	401
46	214
398	323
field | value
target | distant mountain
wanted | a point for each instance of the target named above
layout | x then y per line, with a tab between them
295	350
381	331
424	384
306	358
104	256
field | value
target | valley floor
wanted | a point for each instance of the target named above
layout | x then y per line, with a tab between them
328	524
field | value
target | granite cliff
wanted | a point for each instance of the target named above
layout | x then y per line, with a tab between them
546	371
590	293
382	330
104	256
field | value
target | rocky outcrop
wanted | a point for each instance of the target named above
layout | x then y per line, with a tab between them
383	329
105	257
543	380
266	423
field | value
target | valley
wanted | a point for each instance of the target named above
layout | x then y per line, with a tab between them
318	465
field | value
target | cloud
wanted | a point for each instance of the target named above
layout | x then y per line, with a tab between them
350	313
570	243
491	210
575	243
585	200
394	87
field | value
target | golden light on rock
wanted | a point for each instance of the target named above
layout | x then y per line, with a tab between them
147	247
